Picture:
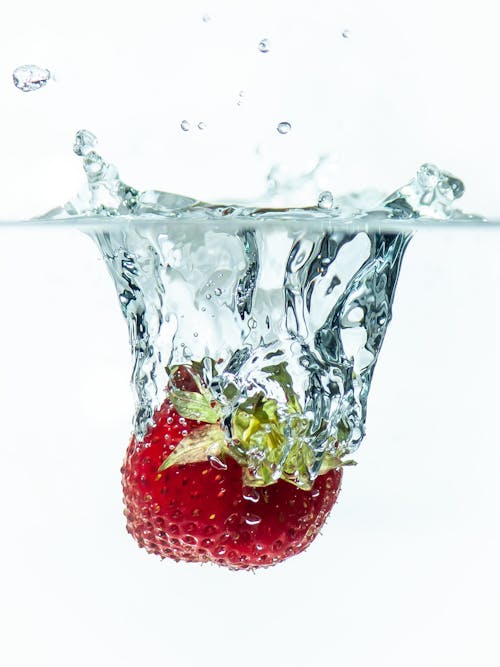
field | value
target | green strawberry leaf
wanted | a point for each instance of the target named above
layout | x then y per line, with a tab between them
199	445
194	405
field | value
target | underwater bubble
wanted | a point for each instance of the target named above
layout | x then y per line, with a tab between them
346	33
252	520
216	463
185	125
201	125
250	493
284	127
28	78
85	142
264	45
206	18
325	199
217	291
252	323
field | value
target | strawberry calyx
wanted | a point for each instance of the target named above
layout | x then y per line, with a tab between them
265	438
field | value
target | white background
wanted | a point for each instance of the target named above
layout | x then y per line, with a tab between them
406	571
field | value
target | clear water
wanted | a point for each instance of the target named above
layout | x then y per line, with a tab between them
275	312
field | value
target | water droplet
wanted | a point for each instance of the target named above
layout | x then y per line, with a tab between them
184	432
195	334
252	323
85	141
346	33
208	296
264	45
252	520
201	125
284	127
216	463
30	77
169	420
205	18
315	493
218	291
185	125
182	421
325	199
250	493
203	309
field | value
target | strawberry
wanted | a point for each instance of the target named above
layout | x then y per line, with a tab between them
202	511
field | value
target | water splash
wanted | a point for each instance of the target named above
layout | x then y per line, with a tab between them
298	308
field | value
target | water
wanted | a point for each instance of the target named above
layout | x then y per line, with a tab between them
284	127
28	78
277	315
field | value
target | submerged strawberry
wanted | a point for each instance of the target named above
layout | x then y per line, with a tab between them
202	510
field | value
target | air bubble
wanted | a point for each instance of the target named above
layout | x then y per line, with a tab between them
218	291
252	520
346	33
201	125
206	18
250	493
284	127
185	125
252	323
28	78
216	462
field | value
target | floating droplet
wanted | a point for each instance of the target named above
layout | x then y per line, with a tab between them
264	45
201	125
325	199
346	33
30	77
284	127
85	142
185	125
252	520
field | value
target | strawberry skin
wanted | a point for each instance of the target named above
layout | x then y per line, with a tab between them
202	512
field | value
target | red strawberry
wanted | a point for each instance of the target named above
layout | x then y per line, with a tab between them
202	511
